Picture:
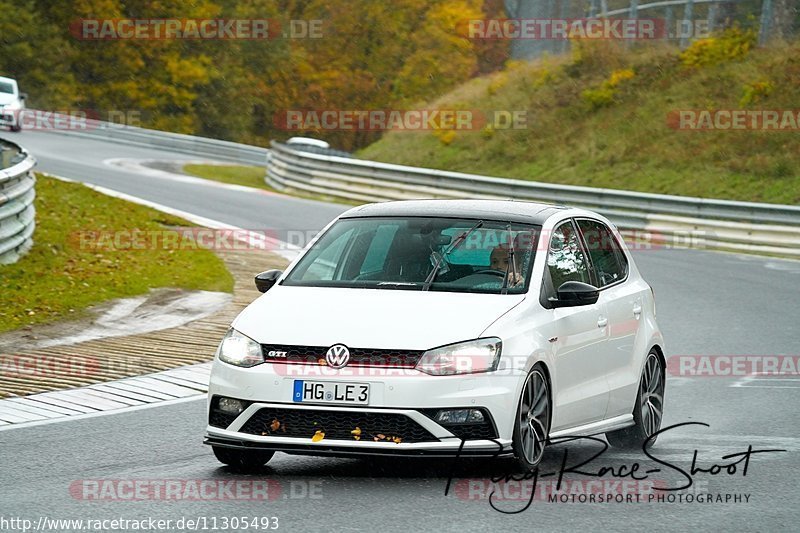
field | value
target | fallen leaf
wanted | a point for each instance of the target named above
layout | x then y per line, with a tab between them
356	432
357	437
397	440
381	436
275	425
318	436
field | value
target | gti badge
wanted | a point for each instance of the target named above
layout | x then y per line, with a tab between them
337	356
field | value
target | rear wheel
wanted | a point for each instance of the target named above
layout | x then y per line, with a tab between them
649	409
533	420
15	128
242	459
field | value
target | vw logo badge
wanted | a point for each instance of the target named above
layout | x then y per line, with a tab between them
337	356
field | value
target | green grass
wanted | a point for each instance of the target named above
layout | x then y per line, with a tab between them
623	143
61	278
233	174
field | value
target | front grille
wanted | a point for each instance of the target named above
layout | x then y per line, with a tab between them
472	431
304	423
315	355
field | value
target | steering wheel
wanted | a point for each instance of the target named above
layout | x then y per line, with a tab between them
490	271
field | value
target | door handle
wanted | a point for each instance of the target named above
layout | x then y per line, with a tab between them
637	310
602	322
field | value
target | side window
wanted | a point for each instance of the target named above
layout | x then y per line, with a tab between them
565	258
607	256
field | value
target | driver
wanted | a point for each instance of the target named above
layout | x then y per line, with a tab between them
498	260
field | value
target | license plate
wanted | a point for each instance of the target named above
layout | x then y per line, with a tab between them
330	392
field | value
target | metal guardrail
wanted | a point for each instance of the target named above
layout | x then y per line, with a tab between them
243	154
671	220
17	213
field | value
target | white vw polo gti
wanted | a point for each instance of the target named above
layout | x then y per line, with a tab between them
446	328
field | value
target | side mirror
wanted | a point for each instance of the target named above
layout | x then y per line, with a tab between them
266	280
575	293
23	96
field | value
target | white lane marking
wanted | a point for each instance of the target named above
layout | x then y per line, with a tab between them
253	239
774	382
121	396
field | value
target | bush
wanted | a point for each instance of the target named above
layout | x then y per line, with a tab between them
755	92
605	95
733	43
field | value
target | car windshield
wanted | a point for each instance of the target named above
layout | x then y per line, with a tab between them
419	253
6	88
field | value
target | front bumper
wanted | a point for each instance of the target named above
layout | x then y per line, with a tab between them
412	394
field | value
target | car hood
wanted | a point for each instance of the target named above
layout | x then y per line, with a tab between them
370	318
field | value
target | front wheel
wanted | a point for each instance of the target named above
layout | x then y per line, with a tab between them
16	128
649	408
532	424
242	459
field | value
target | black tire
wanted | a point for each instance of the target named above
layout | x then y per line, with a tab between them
16	128
242	459
648	411
528	453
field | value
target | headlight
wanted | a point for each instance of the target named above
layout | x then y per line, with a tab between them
240	350
481	355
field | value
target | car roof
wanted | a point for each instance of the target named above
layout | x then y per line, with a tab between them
503	210
10	80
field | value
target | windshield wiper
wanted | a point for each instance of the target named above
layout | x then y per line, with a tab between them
461	238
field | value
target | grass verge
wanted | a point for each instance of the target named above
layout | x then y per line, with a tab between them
233	174
60	278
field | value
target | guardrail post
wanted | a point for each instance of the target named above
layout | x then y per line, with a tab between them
634	11
712	17
765	27
688	11
669	22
